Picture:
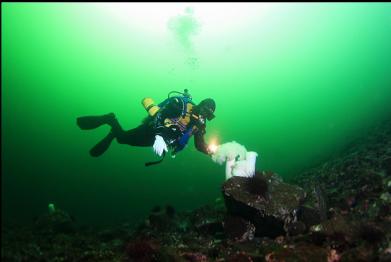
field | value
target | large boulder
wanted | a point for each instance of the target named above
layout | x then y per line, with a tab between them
271	205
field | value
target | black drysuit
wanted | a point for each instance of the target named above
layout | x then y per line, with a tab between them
144	134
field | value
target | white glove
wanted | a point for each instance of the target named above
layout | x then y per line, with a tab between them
159	145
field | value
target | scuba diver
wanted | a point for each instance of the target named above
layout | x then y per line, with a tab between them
169	125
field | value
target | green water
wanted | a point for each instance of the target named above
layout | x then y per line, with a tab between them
294	82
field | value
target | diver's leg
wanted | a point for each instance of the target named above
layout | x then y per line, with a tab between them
105	143
102	145
92	122
139	136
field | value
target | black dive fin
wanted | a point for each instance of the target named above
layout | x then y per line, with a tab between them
91	122
102	146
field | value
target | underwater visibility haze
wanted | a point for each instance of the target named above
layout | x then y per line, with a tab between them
295	82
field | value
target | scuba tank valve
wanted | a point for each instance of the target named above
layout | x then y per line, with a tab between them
185	93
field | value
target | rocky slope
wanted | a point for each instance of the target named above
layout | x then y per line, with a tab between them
338	211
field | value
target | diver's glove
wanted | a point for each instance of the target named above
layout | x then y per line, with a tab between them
159	146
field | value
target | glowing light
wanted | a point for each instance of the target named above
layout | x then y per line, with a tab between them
213	146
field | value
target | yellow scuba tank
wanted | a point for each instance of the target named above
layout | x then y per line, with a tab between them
150	106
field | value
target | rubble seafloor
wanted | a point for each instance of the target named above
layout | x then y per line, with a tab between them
337	211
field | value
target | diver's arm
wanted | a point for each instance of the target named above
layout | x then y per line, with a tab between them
200	143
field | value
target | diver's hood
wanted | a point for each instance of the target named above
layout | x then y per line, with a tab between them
207	108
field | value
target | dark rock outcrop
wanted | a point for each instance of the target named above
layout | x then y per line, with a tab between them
271	210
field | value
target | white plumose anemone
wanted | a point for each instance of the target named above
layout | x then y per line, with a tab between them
239	161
